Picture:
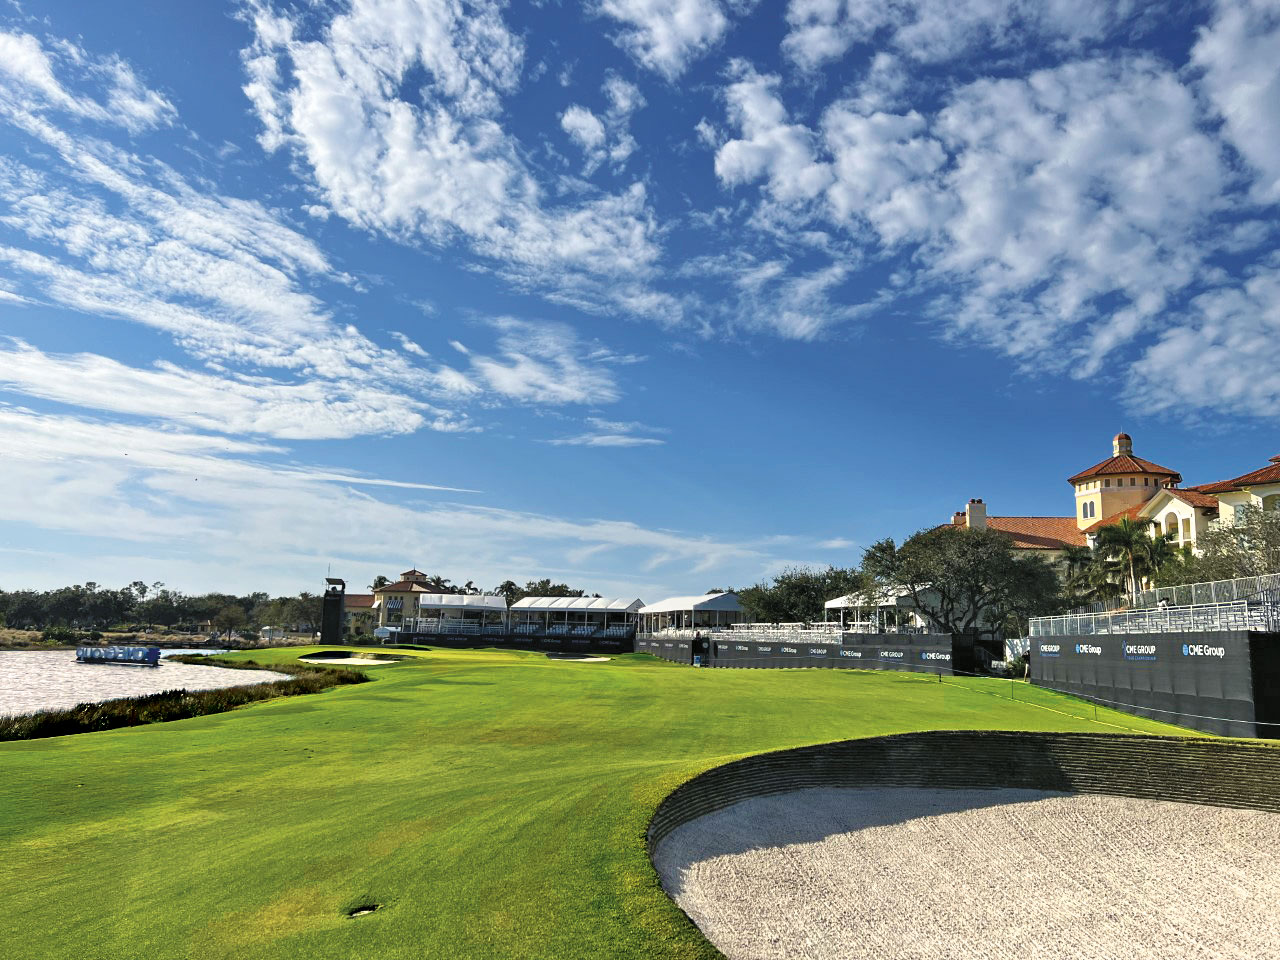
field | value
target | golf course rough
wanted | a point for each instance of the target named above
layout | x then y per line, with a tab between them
493	803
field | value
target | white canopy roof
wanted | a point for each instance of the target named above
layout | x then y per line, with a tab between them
462	601
880	598
593	604
709	601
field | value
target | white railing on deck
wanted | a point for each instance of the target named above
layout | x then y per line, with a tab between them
1262	614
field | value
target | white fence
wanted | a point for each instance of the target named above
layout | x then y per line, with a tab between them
1261	614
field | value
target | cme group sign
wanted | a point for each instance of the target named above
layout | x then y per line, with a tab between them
138	656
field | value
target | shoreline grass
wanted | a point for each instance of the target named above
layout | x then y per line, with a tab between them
176	704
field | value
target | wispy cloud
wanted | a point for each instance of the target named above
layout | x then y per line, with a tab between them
613	433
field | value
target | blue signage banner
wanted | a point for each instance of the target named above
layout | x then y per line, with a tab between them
139	656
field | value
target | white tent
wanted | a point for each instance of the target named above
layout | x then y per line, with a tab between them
595	604
458	602
708	610
580	612
876	610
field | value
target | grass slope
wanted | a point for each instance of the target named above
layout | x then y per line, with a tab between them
494	802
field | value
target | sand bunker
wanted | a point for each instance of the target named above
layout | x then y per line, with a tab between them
963	874
576	658
348	661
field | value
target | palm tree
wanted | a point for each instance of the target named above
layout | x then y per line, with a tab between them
1130	542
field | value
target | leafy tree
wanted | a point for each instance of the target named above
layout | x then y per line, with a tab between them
509	590
230	617
797	594
379	582
966	581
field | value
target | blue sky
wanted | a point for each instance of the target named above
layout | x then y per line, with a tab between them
650	296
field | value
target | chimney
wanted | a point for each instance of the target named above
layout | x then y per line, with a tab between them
1122	445
976	515
958	519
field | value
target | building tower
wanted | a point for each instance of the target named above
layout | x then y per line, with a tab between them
1120	483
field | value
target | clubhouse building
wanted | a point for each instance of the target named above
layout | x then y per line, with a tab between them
1125	485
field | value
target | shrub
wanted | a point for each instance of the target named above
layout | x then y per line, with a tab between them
58	635
177	704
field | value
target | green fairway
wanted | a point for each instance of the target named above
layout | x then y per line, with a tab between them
493	802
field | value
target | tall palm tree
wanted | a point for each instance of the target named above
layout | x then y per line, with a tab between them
1128	541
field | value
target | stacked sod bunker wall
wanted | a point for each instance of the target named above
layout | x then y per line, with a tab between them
1225	682
1215	772
584	645
931	653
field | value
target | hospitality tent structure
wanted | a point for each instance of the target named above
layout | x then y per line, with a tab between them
880	611
581	615
709	611
458	612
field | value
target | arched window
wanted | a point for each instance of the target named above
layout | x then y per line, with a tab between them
1271	504
1171	523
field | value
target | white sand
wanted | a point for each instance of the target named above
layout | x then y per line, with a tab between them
35	680
348	661
964	874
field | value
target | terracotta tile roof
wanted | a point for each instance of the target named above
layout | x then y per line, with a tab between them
1033	533
403	586
1125	464
1131	513
1255	478
1194	498
1039	533
358	600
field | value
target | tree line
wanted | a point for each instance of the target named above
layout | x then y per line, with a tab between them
91	606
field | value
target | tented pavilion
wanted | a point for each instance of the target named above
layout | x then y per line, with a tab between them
459	613
708	611
575	616
882	611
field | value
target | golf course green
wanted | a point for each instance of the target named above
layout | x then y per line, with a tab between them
493	803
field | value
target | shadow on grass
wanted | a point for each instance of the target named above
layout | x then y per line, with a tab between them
177	704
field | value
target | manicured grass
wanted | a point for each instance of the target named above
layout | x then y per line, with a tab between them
494	803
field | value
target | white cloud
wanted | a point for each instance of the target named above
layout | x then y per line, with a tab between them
409	345
1031	203
544	363
666	35
196	501
1238	53
770	147
302	411
1222	355
613	433
585	129
29	80
439	168
938	30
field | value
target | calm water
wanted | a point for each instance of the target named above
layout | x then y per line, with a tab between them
35	680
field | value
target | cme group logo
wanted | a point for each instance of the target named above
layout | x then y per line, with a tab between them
1050	649
934	655
1202	650
1140	651
741	647
764	649
788	649
851	653
1089	648
891	654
